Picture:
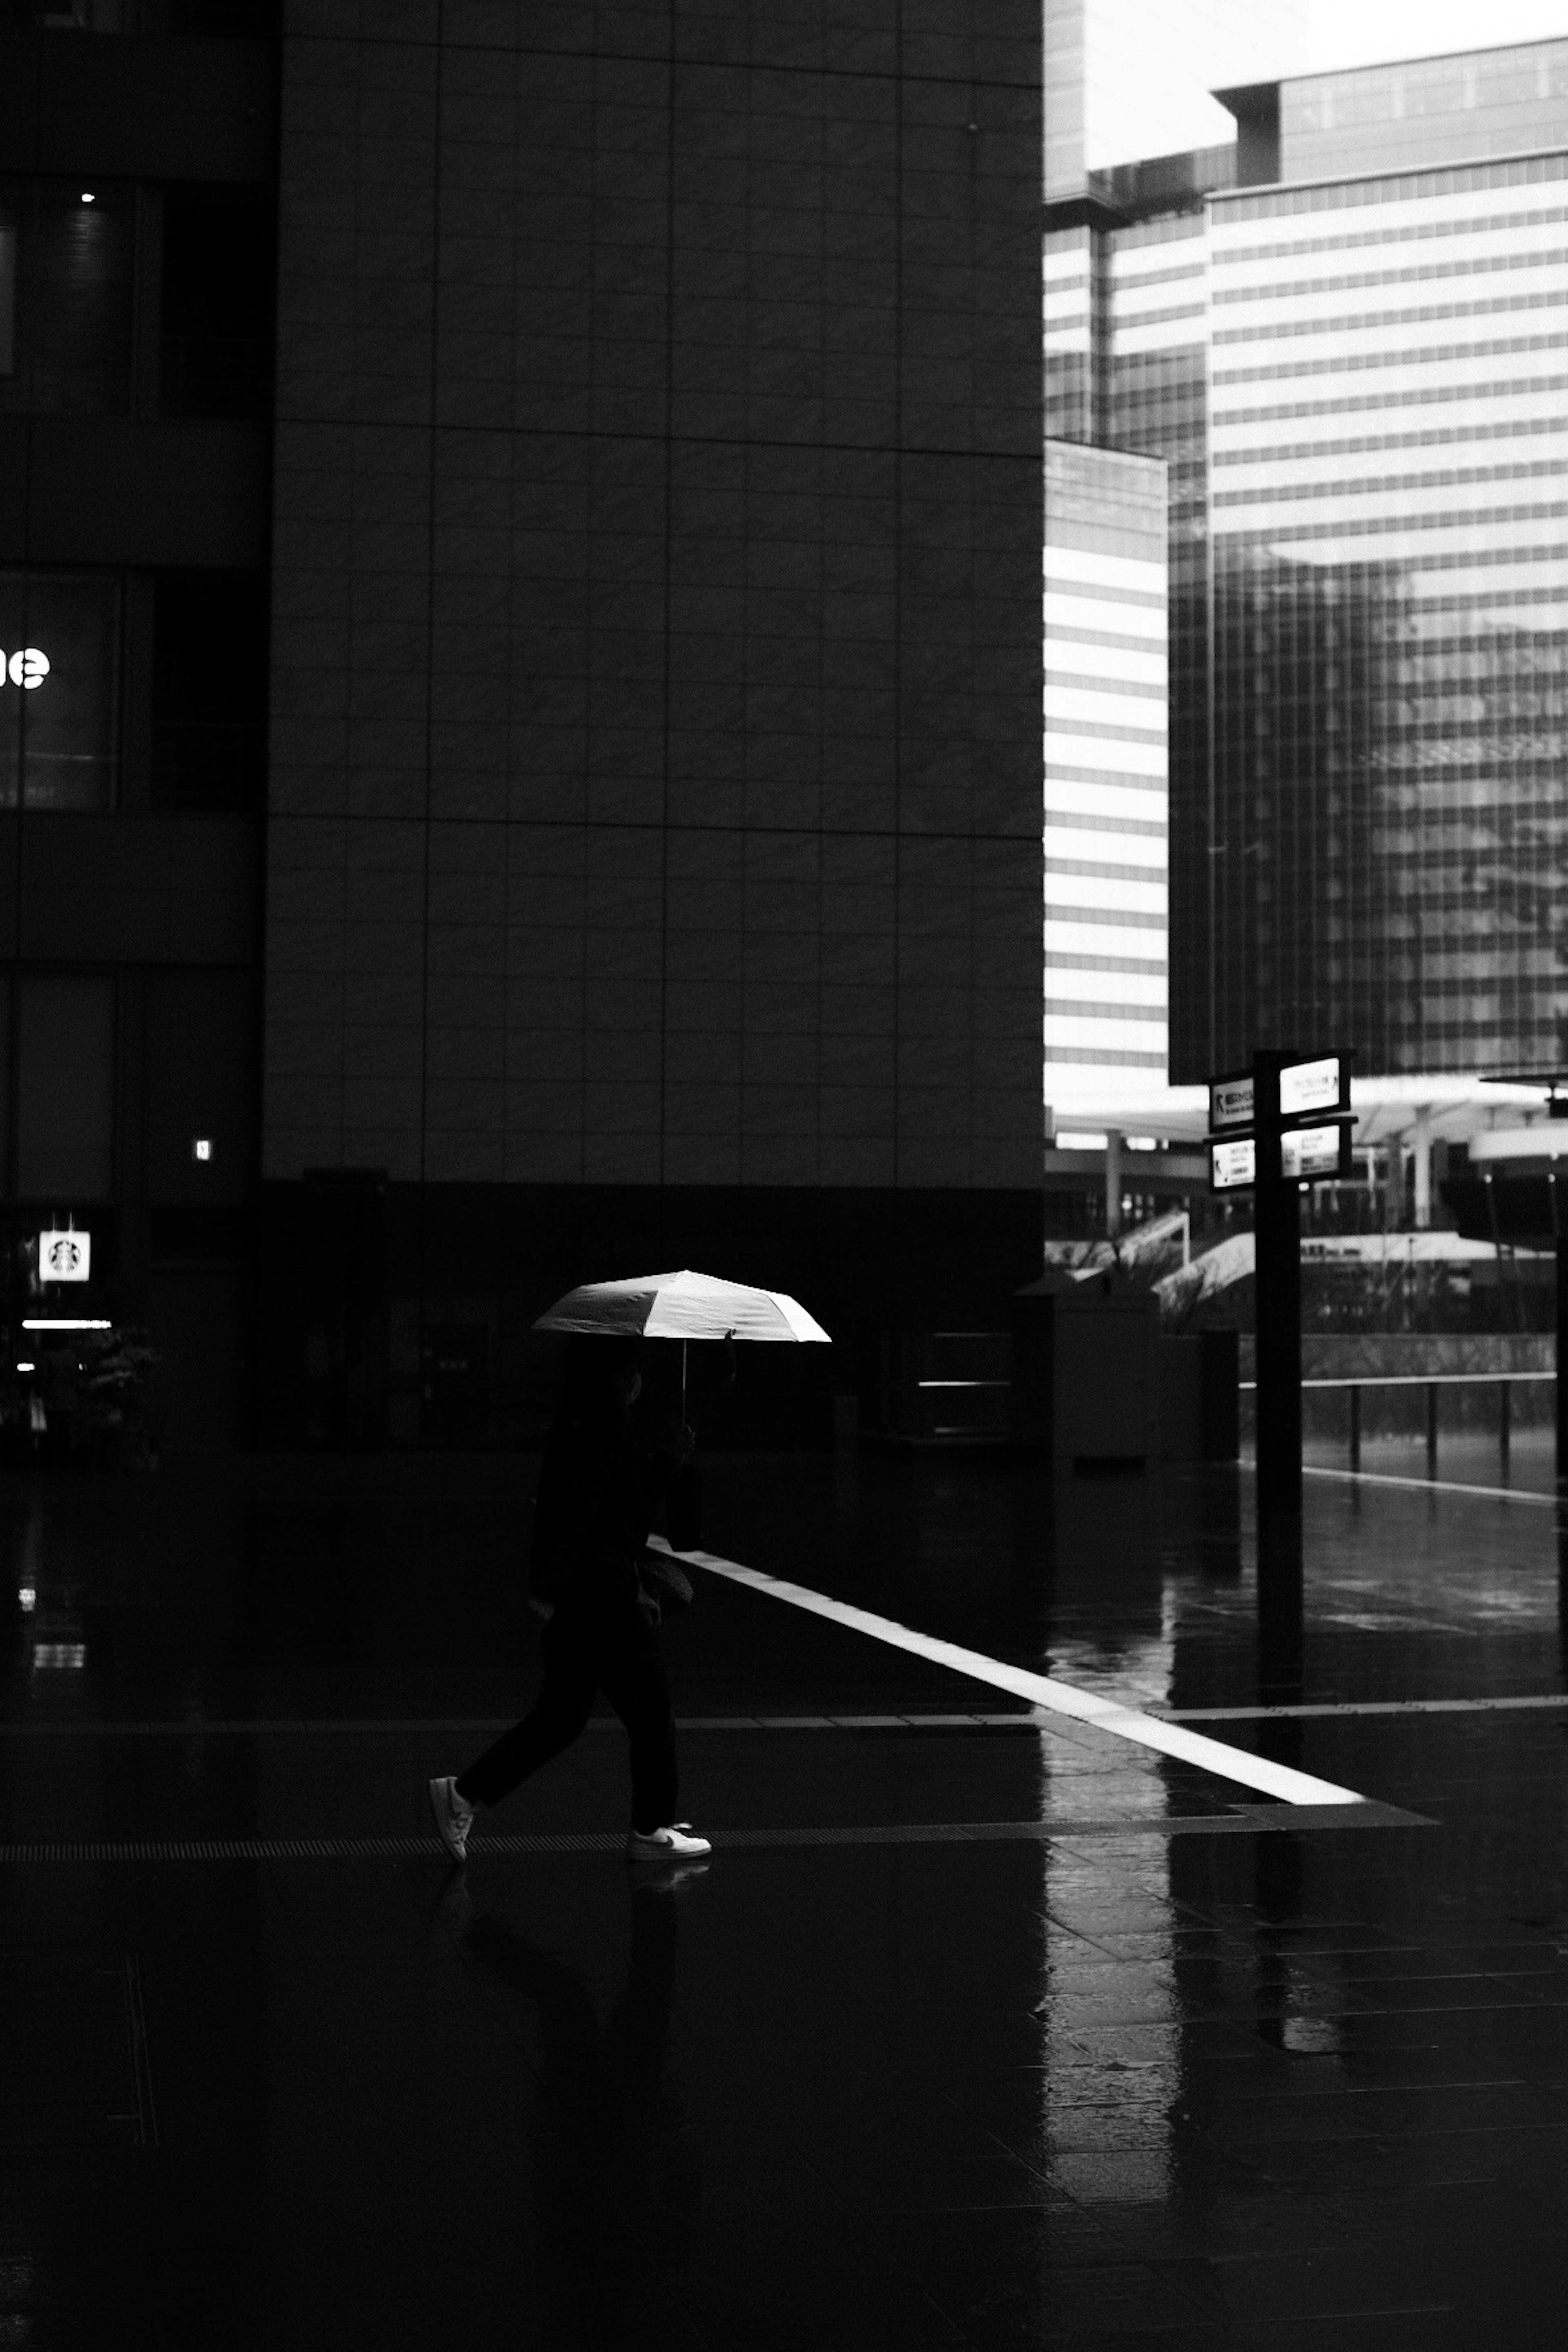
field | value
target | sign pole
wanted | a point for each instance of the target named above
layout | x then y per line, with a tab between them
1279	1316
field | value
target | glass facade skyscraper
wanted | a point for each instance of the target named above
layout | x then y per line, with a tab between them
1358	377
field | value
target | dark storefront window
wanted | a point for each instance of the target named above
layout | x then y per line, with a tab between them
59	638
67	252
210	692
215	352
65	1087
64	16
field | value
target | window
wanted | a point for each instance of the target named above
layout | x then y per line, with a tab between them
65	1088
72	248
216	352
63	16
60	637
209	690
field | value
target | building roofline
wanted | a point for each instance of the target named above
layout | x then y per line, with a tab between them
1394	172
1427	57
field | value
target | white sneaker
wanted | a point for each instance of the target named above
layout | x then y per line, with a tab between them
677	1842
453	1817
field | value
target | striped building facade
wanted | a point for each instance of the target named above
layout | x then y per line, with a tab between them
1105	796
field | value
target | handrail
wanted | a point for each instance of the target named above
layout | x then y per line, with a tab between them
1414	1380
1431	1382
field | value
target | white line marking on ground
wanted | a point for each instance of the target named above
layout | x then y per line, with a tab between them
1130	1723
1428	1485
1363	1706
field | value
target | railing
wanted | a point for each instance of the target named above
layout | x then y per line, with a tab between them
1431	1382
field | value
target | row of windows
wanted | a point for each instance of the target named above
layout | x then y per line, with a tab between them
1160	318
1166	228
1457	519
1397	188
1479	225
1437	435
80	259
1360	486
1126	283
1480	265
1359	321
1421	396
1433	355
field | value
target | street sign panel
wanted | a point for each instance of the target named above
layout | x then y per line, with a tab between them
1231	1101
1319	1085
1233	1165
1309	1154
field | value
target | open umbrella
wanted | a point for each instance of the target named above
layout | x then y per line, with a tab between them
683	1307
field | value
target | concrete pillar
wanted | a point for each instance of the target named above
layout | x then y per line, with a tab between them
1421	1139
1112	1184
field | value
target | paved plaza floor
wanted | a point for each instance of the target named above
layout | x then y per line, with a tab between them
990	2024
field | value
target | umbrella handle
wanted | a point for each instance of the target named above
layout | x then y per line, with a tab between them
683	1384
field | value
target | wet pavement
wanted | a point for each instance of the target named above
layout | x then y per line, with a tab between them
984	2027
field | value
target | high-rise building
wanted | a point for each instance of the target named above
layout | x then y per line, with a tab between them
1107	952
543	502
1347	340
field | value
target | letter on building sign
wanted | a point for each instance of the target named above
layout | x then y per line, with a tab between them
27	668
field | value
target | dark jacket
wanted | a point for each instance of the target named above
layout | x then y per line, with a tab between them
599	1489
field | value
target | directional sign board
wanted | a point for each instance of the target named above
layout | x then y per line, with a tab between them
1231	1102
1320	1085
1233	1166
1309	1154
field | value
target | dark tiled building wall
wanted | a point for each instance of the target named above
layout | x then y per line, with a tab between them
655	792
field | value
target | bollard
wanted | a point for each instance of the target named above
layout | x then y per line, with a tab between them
1355	1425
1504	1424
1431	1429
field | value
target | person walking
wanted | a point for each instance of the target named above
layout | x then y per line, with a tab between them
597	1491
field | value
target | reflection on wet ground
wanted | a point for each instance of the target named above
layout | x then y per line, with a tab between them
1137	2064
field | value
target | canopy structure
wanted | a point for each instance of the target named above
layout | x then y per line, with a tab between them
1414	1110
683	1305
1447	1106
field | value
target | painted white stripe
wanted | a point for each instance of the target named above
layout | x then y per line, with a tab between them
1105	940
1086	847
1117	897
1150	758
1073	798
1110	1035
1430	1486
1106	571
1108	709
1130	1723
1080	660
1065	611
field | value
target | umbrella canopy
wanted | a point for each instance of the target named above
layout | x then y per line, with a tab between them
683	1305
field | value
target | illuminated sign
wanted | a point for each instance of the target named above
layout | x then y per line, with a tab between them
1233	1165
1231	1101
1306	1152
64	1257
27	667
1312	1085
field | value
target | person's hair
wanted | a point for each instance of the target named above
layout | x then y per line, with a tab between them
590	1368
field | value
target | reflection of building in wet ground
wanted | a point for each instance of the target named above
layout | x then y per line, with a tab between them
1343	335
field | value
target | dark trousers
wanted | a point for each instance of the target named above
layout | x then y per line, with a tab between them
616	1654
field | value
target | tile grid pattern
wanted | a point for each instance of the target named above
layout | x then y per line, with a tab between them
655	760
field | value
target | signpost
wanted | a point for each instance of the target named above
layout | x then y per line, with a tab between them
1284	1124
